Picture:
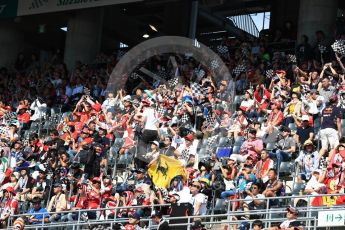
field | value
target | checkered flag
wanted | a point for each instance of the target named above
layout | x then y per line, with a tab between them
163	74
10	118
322	48
161	111
197	89
339	47
222	49
173	82
4	130
210	120
239	69
211	142
291	58
184	118
269	73
214	64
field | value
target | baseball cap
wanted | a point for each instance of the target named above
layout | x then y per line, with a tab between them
155	143
135	216
292	209
305	118
156	214
177	196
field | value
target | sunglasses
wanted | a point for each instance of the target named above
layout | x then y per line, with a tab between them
195	186
341	146
255	188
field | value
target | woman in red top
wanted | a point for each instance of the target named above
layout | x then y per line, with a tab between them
9	206
94	197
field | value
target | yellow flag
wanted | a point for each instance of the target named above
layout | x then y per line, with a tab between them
164	170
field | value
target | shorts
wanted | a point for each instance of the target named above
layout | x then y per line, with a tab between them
329	137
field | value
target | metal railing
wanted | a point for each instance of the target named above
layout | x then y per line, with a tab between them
270	215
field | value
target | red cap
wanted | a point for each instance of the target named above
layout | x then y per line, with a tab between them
10	190
189	137
97	107
97	179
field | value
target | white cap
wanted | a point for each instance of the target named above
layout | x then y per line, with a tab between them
305	118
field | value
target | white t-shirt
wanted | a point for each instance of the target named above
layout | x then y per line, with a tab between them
151	119
199	198
249	199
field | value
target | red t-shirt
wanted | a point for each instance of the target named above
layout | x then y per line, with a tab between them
93	200
24	118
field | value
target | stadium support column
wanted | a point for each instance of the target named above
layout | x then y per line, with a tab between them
193	19
176	18
316	15
83	40
11	44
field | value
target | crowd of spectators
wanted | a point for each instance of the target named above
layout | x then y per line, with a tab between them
290	112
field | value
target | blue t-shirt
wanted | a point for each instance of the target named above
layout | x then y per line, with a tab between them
242	181
329	117
39	214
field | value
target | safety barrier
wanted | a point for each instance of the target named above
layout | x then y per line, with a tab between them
270	215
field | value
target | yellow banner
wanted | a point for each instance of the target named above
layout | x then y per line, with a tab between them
164	170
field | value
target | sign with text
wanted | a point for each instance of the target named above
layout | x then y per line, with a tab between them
331	218
27	7
8	9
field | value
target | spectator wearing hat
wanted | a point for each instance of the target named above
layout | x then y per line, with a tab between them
275	118
24	185
38	215
158	219
229	173
331	130
286	146
262	167
245	177
153	155
93	196
291	222
304	131
133	222
9	204
333	178
186	150
308	159
178	209
16	158
57	203
248	103
41	186
338	154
